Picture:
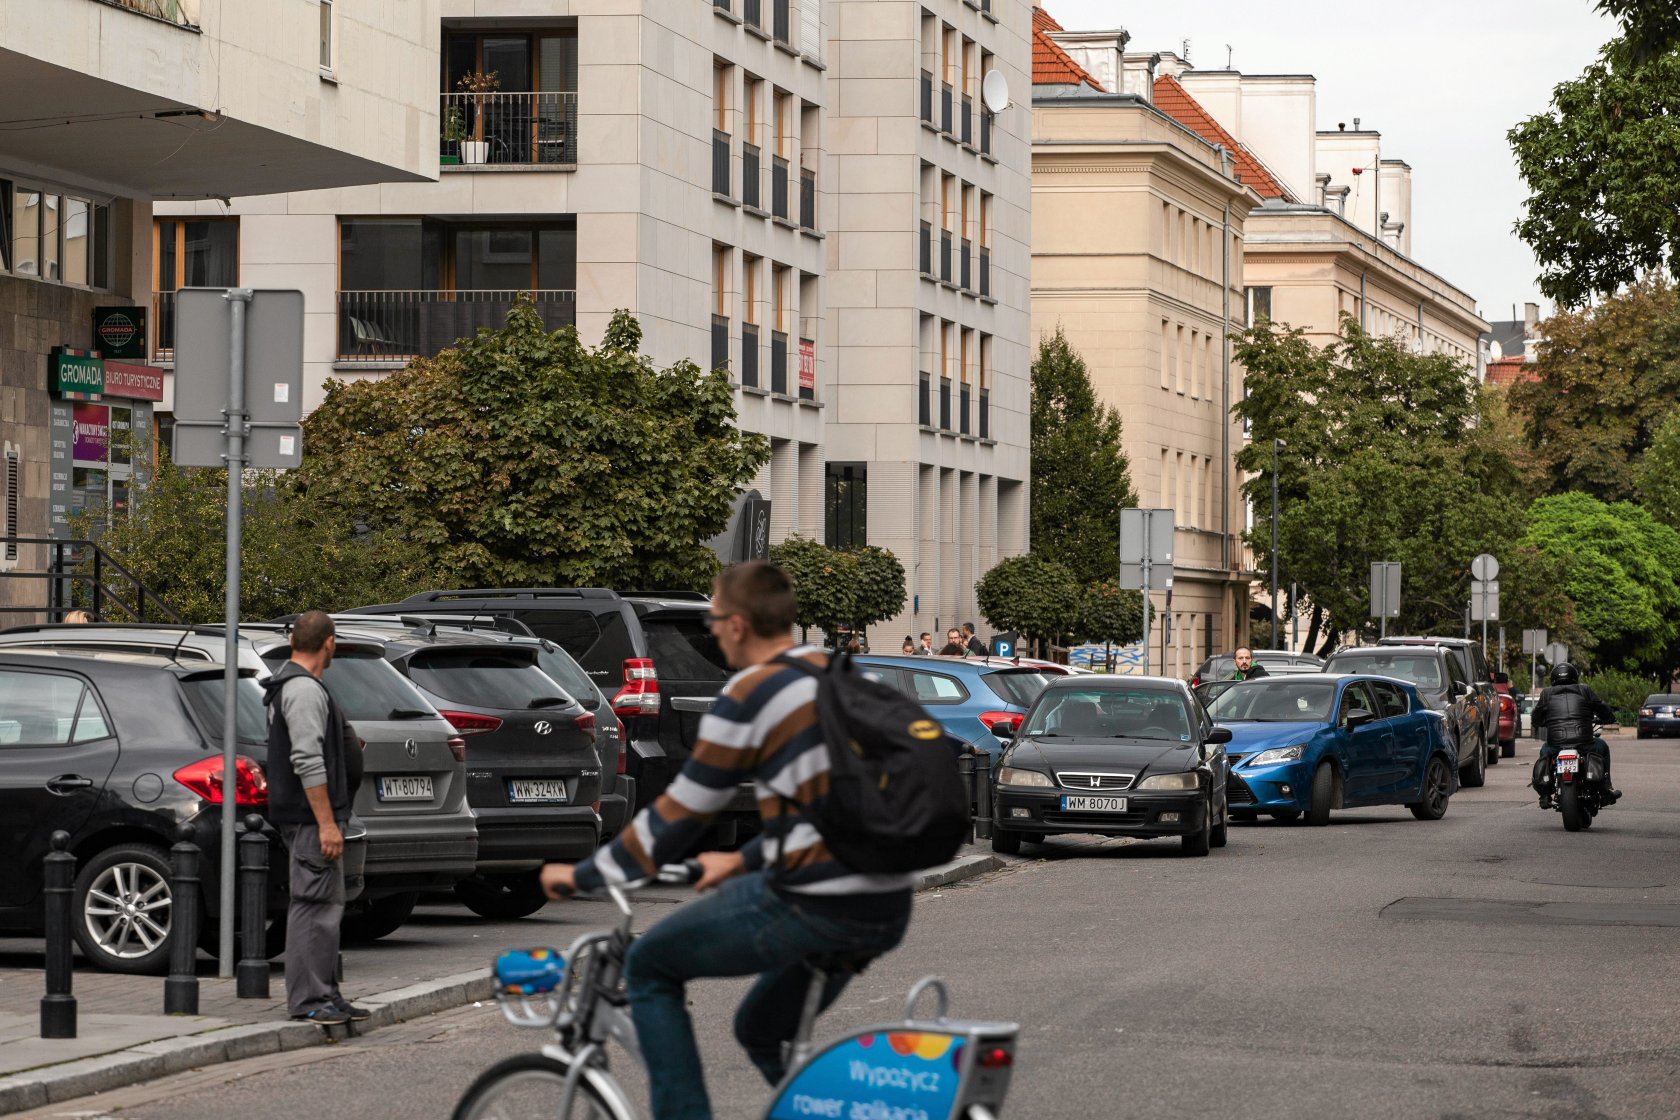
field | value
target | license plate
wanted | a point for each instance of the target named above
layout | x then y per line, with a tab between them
536	790
1084	804
405	789
1568	765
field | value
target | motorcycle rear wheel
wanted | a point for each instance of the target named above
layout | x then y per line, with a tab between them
1575	816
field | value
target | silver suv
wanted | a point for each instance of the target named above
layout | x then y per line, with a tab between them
421	833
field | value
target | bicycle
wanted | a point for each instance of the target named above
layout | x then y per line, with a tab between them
914	1069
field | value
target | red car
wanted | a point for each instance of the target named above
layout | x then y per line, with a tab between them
1510	716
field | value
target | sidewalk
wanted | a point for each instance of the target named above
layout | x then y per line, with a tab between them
123	1038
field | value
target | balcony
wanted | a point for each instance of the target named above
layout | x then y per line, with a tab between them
779	187
945	403
509	129
985	271
967	263
751	177
967	120
720	162
778	361
985	414
927	97
807	199
924	407
962	409
945	255
387	326
720	342
170	11
926	256
749	354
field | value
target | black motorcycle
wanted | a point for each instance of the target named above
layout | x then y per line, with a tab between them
1578	786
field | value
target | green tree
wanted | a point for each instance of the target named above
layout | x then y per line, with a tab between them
880	586
1037	598
1080	476
524	457
1603	207
1652	26
1622	571
1606	375
1656	476
1109	615
826	579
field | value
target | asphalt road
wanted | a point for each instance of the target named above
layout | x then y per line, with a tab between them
1486	965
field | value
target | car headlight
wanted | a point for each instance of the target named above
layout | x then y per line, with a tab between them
1278	754
1186	780
1011	776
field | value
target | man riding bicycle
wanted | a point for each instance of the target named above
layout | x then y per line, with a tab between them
783	897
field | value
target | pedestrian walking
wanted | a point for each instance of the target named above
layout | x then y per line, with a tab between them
309	795
972	642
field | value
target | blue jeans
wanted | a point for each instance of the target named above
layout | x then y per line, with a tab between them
741	929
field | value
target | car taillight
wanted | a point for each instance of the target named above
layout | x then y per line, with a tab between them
1647	712
1505	704
640	694
623	749
586	722
996	1057
1010	720
458	748
1196	681
204	777
469	723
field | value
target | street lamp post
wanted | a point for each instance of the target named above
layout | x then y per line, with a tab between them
1276	445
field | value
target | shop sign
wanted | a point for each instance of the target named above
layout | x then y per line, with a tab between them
120	332
807	364
134	382
91	425
77	374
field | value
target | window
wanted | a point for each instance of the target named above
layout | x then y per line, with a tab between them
967	353
935	688
1390	696
47	709
75	216
327	35
784	126
26	224
749	267
720	280
720	97
1259	302
483	678
196	254
846	505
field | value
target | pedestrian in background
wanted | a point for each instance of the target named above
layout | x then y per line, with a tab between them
1244	667
925	649
309	801
976	648
953	646
909	646
1674	680
74	617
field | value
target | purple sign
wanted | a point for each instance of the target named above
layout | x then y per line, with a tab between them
91	424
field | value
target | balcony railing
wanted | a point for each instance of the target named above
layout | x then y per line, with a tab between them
720	341
749	354
967	120
985	414
779	11
509	129
720	162
751	178
945	403
945	96
985	271
383	326
985	133
924	406
163	326
779	187
752	11
927	97
962	409
926	255
967	263
807	198
807	392
171	11
778	361
945	255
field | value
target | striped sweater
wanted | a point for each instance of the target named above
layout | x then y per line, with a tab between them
763	728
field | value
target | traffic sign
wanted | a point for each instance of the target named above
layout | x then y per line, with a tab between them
1534	641
1146	535
1484	567
1556	653
272	384
1385	589
1484	601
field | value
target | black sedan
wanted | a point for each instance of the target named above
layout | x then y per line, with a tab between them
1113	756
1659	716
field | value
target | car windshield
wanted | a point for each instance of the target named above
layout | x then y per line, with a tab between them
569	674
1018	686
366	686
485	679
1105	713
205	695
1414	668
1273	700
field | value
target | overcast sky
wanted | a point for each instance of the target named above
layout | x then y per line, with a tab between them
1442	80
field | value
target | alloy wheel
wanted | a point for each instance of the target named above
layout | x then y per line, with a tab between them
128	910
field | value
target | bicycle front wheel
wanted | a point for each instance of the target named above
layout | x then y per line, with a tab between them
528	1087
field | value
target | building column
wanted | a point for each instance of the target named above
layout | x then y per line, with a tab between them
784	488
811	484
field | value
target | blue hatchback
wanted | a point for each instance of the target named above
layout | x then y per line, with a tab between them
968	696
1313	743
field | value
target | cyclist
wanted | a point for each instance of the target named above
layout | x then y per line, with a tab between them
779	900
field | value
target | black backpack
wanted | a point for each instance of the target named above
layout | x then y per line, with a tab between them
895	802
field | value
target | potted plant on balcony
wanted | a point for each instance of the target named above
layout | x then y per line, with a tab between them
478	84
454	132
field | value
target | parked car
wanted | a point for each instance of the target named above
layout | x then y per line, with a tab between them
1659	716
118	749
1434	673
1114	756
532	769
1221	666
972	698
1525	711
412	800
1313	744
651	653
1510	725
1473	666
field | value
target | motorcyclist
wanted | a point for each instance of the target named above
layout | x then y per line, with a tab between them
1567	710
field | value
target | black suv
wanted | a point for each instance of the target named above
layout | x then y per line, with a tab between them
1473	664
1440	683
651	652
118	749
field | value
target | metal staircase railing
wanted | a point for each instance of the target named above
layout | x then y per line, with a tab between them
82	576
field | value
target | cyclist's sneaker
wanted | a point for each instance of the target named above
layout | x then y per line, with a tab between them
357	1014
326	1017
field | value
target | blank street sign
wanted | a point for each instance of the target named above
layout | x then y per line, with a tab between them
1534	641
1145	531
1385	589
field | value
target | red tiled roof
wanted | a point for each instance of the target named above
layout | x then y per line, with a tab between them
1507	371
1053	66
1174	100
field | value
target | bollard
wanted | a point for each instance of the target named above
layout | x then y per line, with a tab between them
252	974
983	795
58	1006
965	772
180	990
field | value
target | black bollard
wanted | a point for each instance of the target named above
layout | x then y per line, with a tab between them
58	1006
965	773
180	990
983	795
251	976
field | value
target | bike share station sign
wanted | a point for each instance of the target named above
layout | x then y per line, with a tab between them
238	404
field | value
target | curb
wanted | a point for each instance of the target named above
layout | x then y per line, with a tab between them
69	1080
963	867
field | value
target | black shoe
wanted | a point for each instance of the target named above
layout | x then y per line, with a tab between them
357	1014
325	1017
1611	796
1545	801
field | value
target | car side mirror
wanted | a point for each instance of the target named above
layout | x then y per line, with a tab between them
1218	735
1358	717
1456	689
1005	730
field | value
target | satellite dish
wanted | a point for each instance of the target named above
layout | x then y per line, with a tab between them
1496	352
994	91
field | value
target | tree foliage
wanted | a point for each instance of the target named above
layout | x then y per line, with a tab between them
1606	375
852	587
1603	207
1080	476
1656	477
524	457
1621	568
880	586
1109	614
1035	597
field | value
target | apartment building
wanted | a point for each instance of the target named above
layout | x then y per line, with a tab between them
757	180
110	105
1140	208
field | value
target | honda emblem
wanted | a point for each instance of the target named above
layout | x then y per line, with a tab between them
1096	781
543	727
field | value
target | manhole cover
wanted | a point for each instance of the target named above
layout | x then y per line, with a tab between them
1500	911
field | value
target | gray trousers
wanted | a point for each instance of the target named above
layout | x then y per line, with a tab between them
312	921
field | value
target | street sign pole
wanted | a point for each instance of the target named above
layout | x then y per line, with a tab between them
240	301
1146	541
1146	593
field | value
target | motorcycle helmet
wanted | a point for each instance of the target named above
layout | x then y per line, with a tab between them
1564	673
